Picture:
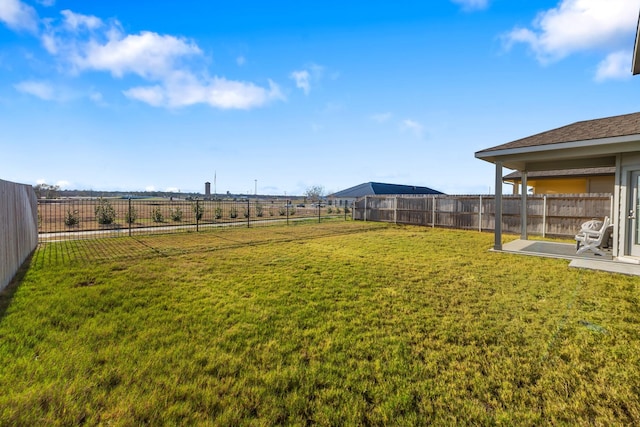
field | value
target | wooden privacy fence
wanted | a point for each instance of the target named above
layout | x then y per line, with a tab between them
18	227
547	215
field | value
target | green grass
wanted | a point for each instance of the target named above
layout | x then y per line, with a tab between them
336	323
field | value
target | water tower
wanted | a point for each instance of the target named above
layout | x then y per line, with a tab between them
207	190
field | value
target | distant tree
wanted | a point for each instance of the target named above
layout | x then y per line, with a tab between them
46	191
314	193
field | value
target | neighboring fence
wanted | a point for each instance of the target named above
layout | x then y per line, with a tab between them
547	215
61	219
18	227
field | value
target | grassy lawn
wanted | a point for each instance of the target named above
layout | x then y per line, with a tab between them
336	323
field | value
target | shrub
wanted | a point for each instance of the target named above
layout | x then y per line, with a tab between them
105	213
218	212
282	211
329	210
198	210
259	210
156	215
176	215
292	211
233	212
131	215
246	212
337	210
71	218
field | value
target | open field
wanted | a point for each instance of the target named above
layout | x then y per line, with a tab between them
334	323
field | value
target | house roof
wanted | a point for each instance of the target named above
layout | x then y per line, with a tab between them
585	144
564	173
378	188
608	127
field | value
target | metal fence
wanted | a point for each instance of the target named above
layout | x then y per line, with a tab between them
60	219
547	215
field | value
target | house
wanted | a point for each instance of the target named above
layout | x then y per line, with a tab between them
567	181
610	142
348	196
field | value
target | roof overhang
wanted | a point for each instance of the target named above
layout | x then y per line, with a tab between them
567	155
635	64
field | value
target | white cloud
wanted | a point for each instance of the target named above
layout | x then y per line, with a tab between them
40	90
217	92
18	16
381	117
86	43
150	188
302	80
577	25
311	73
412	126
616	65
470	5
76	21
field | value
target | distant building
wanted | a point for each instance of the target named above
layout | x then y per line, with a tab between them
348	196
207	190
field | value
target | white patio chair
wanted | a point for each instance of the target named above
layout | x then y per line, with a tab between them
591	235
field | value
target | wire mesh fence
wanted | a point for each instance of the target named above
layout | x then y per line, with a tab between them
86	218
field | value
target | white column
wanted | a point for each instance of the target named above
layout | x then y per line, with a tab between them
523	207
498	209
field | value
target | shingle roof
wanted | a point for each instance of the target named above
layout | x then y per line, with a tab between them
564	173
378	188
608	127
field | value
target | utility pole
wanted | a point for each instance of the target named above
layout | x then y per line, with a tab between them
256	189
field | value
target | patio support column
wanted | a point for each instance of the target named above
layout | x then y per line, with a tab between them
498	216
523	207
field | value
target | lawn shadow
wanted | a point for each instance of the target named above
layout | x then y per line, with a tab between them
7	294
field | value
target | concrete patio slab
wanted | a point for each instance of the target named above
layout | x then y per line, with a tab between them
568	251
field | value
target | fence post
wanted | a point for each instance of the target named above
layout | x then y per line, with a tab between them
248	214
480	215
395	210
319	204
129	217
544	215
433	211
365	209
197	215
287	202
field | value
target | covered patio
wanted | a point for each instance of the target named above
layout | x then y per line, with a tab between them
607	142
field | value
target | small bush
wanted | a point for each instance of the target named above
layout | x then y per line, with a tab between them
156	215
282	211
218	212
72	218
233	212
292	211
246	212
198	210
105	213
131	215
176	215
329	210
337	210
259	210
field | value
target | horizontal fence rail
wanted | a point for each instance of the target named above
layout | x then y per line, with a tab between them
547	215
62	219
18	228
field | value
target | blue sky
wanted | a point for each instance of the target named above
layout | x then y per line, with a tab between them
165	95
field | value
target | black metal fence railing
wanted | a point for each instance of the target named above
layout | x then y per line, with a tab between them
60	219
